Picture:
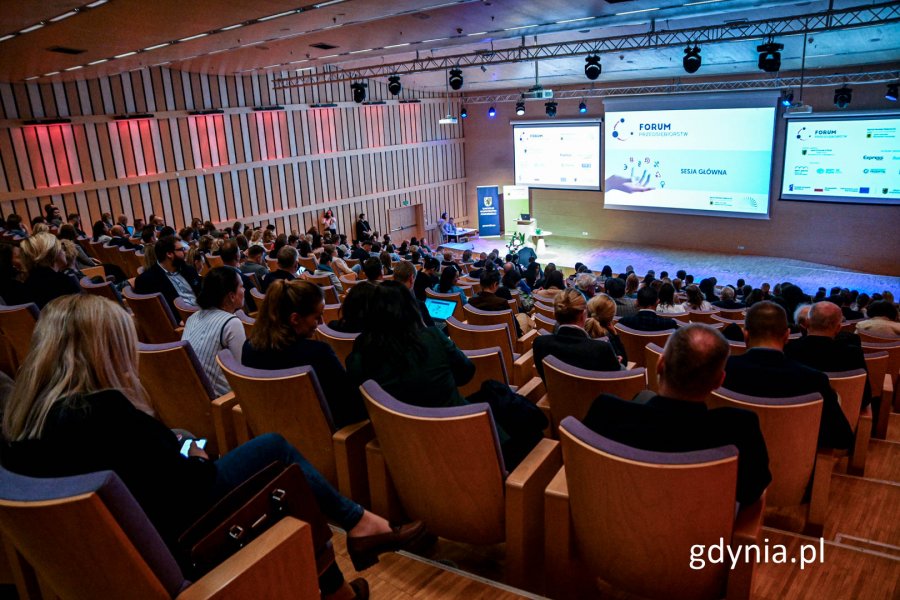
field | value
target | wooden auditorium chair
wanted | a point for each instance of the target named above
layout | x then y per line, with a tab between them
874	343
184	309
319	280
474	337
703	316
627	521
290	402
104	289
309	263
444	466
571	391
331	313
453	297
17	324
348	281
736	314
246	320
153	317
258	296
477	316
128	261
544	309
91	272
544	323
790	427
634	341
652	354
340	342
850	387
214	261
726	320
85	538
876	365
489	365
182	395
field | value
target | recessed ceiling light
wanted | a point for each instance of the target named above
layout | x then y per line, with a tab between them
51	73
279	15
574	20
329	3
519	27
477	33
32	77
230	27
397	45
702	2
330	56
156	47
97	62
194	37
360	51
75	68
65	15
8	36
34	27
434	40
97	3
132	53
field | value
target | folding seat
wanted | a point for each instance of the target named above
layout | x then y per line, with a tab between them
340	342
477	316
850	387
17	324
474	337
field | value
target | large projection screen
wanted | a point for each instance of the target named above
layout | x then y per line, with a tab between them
690	154
562	155
843	158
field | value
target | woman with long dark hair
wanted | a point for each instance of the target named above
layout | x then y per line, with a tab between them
447	283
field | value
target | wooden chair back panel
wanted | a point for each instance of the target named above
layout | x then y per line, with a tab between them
682	317
288	404
332	313
99	289
488	365
736	314
17	325
702	316
443	470
476	337
737	348
184	309
214	261
652	352
309	263
178	393
128	261
476	316
331	295
893	350
155	322
457	309
876	365
319	280
341	343
91	272
571	391
545	310
790	427
272	263
247	321
544	323
348	281
625	509
850	387
635	341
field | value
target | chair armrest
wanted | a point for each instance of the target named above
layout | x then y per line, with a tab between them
278	564
821	488
525	511
241	428
350	460
385	501
223	423
533	390
747	530
524	369
524	343
631	365
857	462
544	405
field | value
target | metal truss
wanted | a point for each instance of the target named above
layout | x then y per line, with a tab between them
830	20
677	87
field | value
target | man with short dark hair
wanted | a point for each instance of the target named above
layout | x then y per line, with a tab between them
646	318
255	263
53	216
405	273
427	277
288	261
372	269
230	254
765	371
171	275
615	289
677	419
361	250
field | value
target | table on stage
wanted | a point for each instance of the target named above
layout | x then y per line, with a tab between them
538	239
463	234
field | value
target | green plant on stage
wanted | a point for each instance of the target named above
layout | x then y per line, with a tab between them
516	242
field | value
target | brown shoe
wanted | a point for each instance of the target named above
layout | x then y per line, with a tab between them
364	550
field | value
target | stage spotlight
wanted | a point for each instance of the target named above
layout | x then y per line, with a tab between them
787	98
770	56
492	112
394	85
891	93
456	79
582	108
843	96
463	113
359	91
592	67
520	108
550	108
691	60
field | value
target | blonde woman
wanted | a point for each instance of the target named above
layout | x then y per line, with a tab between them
601	310
631	285
78	407
256	238
44	261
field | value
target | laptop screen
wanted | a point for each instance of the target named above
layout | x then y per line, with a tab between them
526	216
439	309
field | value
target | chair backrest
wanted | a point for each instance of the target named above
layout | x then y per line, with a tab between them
87	537
104	289
214	261
892	347
184	309
351	262
129	261
876	365
331	295
477	316
319	280
652	352
865	336
258	296
681	317
736	314
445	463
736	348
544	323
850	326
571	391
309	263
180	392
634	341
272	263
154	319
629	504
488	365
453	297
331	313
727	321
703	316
348	281
286	401
475	337
790	427
547	297
246	320
850	387
544	309
17	324
340	342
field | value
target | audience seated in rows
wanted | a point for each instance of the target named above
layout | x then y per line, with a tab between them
625	307
883	320
447	283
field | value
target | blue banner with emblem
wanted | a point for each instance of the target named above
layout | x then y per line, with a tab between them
488	210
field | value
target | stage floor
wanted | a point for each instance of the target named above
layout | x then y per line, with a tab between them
727	268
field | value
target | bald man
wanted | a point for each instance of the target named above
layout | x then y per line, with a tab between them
765	371
823	349
677	420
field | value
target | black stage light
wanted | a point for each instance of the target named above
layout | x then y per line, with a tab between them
359	92
492	112
770	56
394	85
787	98
520	108
456	79
463	113
592	67
550	107
843	96
582	108
891	93
691	60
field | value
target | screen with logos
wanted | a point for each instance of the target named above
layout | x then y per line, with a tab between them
558	155
850	159
706	156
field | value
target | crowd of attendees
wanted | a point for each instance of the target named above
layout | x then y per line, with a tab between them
80	380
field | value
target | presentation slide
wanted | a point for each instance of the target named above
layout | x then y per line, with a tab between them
700	161
562	155
843	160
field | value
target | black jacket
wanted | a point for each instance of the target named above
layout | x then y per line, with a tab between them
573	346
829	355
648	320
45	284
155	280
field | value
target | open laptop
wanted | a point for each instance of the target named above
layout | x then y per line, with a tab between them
525	216
440	310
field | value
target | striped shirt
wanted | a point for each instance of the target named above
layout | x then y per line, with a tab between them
211	330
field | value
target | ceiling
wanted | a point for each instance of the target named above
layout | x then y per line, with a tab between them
226	37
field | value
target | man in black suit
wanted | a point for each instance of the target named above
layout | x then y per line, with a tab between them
728	302
822	349
118	238
363	230
571	343
677	420
170	276
426	278
405	273
615	289
765	371
646	318
490	297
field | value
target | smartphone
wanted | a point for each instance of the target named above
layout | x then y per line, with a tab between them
186	446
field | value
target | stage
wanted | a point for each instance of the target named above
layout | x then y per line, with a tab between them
727	268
